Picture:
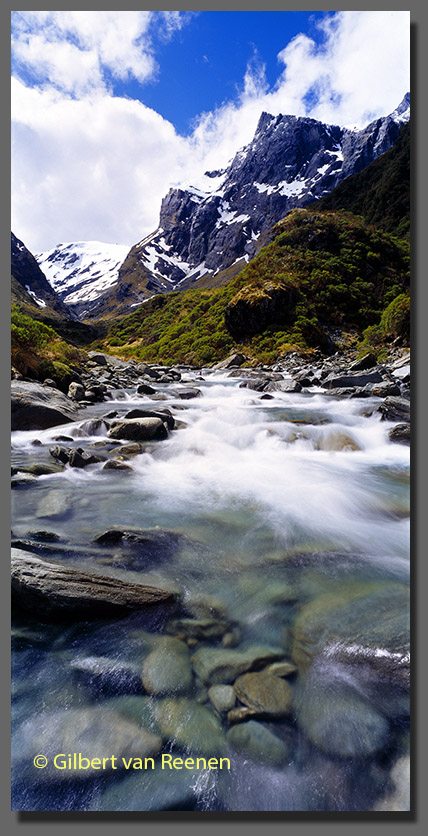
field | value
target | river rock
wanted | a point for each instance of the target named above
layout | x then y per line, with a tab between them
37	407
145	389
366	362
221	665
76	392
258	743
98	358
104	676
191	726
143	546
200	629
400	433
95	426
117	464
284	386
235	359
223	697
65	591
167	669
332	380
94	732
382	390
335	717
395	409
164	414
281	669
365	624
188	393
264	693
139	429
53	505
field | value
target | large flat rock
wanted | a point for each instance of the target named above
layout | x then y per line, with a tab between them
37	407
54	589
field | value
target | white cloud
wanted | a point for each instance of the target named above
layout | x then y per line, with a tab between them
90	165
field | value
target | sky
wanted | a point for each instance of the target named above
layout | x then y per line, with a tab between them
111	109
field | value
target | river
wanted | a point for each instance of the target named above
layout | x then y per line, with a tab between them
281	502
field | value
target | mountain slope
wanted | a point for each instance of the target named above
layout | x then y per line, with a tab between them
322	271
82	272
290	162
37	299
381	192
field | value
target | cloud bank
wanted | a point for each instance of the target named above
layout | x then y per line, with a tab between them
91	165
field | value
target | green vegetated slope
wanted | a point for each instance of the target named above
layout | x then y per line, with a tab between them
323	270
37	350
381	192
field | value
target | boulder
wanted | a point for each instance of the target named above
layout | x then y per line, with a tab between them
190	726
167	669
382	390
98	358
76	392
58	590
284	386
188	393
235	359
145	389
258	743
265	694
400	434
222	697
37	407
222	665
395	409
139	429
103	676
165	415
332	381
366	362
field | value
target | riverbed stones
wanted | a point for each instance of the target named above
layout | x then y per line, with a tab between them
333	381
165	415
167	669
139	429
152	789
265	694
37	407
366	362
191	726
145	389
222	697
258	743
63	591
223	665
92	731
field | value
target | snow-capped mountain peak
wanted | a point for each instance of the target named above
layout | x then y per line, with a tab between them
82	271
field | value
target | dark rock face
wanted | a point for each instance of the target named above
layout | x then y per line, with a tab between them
64	591
28	274
291	161
37	407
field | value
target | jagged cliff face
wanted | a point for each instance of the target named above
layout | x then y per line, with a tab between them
29	284
291	162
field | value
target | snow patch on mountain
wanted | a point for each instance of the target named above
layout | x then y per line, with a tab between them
82	271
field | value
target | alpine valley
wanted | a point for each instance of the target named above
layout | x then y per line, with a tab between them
210	473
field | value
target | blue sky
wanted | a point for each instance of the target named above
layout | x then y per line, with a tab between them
204	65
111	109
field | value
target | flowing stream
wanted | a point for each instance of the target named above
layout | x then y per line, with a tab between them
280	501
